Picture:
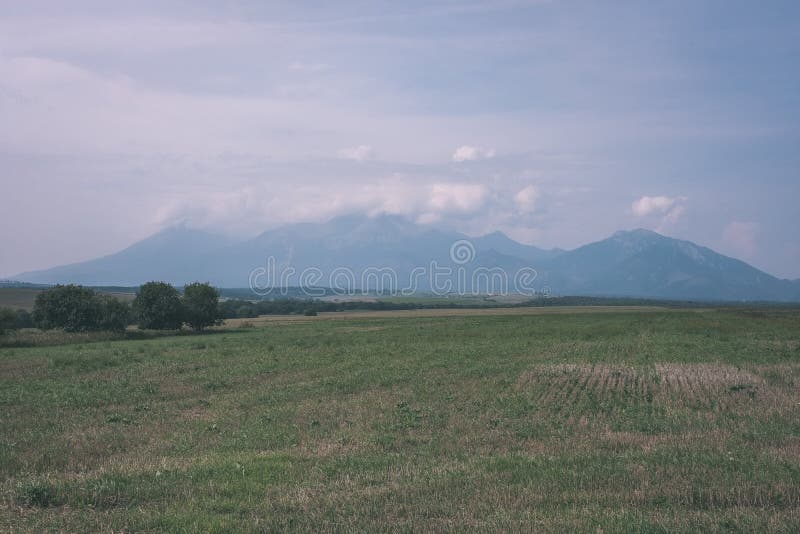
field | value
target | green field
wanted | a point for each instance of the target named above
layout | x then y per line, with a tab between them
632	420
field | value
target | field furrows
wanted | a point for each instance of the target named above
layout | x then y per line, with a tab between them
701	386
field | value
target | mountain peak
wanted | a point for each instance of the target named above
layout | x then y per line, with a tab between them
636	233
379	220
496	235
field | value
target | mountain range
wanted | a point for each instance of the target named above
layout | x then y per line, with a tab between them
637	263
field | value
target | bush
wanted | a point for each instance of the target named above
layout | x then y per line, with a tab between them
310	313
158	306
201	305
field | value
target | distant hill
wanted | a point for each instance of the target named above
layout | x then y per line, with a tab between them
637	263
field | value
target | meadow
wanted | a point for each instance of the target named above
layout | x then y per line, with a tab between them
634	419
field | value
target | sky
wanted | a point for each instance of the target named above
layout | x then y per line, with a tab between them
556	122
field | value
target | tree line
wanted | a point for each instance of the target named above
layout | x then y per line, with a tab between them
238	308
157	306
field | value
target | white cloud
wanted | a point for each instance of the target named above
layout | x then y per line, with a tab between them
669	209
472	153
741	237
456	198
526	198
255	207
647	205
360	153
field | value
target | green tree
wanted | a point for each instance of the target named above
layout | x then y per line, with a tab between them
24	319
116	315
201	305
71	307
8	320
158	306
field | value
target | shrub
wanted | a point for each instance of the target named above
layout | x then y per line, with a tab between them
310	313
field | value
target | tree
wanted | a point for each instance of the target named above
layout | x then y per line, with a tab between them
24	319
116	315
71	307
75	309
8	320
158	306
201	305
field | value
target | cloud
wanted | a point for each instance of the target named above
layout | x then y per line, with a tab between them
669	209
456	198
472	153
59	106
360	153
741	237
526	198
647	205
309	67
132	34
254	207
54	106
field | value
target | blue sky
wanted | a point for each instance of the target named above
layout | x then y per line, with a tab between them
558	122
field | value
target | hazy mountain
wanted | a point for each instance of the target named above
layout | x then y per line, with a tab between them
645	263
635	263
170	255
500	242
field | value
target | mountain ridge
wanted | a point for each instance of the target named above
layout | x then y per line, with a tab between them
631	263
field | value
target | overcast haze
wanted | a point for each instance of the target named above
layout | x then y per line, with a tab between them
555	122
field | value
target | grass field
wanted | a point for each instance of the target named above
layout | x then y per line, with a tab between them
564	420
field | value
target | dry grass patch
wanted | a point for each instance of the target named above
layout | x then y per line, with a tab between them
26	368
348	329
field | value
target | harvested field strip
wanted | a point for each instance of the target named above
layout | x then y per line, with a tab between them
704	386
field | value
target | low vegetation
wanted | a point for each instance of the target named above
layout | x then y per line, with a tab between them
535	420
